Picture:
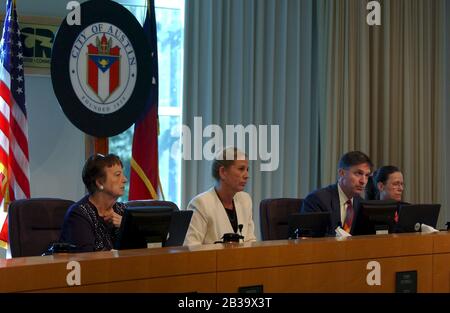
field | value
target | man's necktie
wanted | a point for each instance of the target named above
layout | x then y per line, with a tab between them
348	216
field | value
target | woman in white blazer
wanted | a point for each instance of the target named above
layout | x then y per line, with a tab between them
225	207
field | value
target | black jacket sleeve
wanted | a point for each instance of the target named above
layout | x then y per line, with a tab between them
77	230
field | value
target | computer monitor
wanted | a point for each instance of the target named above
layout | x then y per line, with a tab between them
411	216
142	226
178	228
374	216
311	224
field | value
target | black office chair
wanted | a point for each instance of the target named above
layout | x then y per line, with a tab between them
34	224
274	215
151	202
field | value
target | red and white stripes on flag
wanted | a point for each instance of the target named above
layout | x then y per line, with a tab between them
14	159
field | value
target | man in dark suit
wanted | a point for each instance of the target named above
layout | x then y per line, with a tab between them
341	199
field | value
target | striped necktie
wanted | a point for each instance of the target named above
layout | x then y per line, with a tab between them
348	216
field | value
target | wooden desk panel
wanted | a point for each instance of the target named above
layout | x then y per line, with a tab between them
441	242
305	251
441	272
347	276
441	262
311	265
97	268
183	284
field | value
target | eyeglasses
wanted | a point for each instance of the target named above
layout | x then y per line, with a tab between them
398	185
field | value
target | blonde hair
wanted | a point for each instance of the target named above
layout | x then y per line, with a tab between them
226	158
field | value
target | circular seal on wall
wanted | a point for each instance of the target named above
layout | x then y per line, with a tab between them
101	69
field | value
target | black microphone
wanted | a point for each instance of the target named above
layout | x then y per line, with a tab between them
240	226
296	232
232	237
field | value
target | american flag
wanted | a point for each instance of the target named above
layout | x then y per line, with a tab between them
14	161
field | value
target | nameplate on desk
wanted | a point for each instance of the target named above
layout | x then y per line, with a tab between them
151	245
406	282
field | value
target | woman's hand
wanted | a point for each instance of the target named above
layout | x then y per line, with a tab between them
113	218
116	219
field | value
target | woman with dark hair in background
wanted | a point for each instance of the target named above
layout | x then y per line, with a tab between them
92	223
389	183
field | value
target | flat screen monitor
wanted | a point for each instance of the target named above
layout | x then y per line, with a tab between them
311	224
178	228
142	226
411	216
374	216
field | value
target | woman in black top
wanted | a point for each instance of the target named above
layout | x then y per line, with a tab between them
389	182
92	223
